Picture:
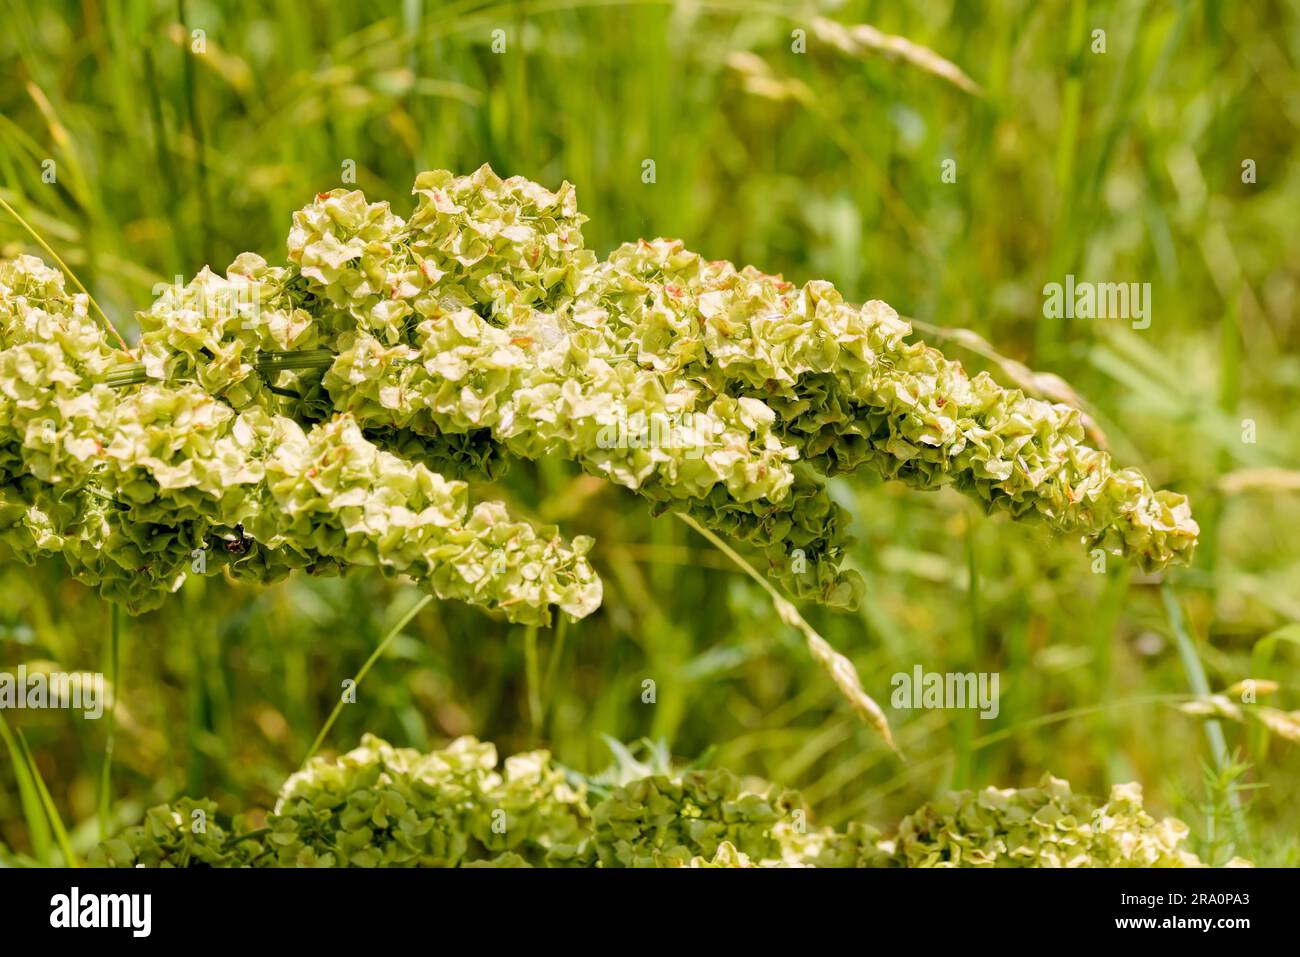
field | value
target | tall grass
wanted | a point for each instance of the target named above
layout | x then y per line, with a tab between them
1122	166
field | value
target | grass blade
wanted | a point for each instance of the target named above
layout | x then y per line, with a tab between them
108	323
46	801
838	667
38	828
374	656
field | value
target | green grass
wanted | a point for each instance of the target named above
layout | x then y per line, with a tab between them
1123	166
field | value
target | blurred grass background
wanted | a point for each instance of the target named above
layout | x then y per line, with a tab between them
1117	166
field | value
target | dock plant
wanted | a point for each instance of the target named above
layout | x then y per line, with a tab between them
335	411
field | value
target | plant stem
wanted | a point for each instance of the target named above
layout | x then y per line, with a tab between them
196	132
387	640
108	323
553	662
838	667
105	780
1201	688
236	839
531	672
132	373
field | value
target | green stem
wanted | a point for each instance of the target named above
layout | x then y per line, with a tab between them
531	671
1201	688
236	839
553	662
191	82
383	645
108	323
837	667
132	373
114	658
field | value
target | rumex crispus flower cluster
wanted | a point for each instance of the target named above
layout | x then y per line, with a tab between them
380	806
330	412
1044	826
